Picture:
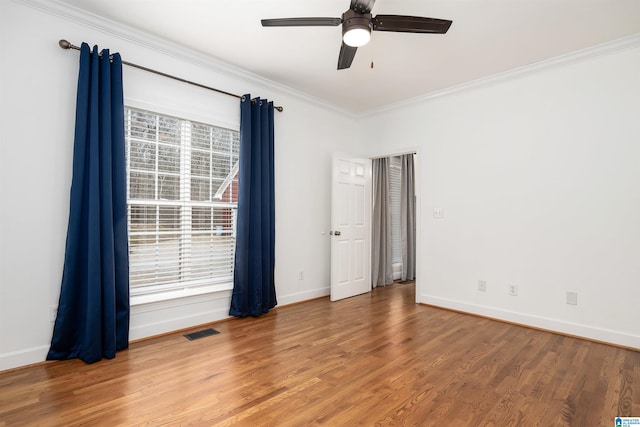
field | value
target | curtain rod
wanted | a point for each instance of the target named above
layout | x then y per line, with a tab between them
64	44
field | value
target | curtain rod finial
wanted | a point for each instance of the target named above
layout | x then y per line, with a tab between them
64	44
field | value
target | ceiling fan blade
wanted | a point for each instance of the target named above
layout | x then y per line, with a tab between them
410	24
347	53
301	22
362	6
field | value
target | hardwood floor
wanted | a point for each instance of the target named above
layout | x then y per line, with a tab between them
375	359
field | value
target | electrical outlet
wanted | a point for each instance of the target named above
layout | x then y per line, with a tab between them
53	313
438	213
482	285
513	290
572	298
301	275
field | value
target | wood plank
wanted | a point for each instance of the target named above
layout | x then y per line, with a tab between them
374	359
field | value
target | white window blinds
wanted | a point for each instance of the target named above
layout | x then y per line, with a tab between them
394	189
182	201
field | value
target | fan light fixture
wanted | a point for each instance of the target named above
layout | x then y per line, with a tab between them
357	36
356	28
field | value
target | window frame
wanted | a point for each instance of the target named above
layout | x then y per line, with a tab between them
182	289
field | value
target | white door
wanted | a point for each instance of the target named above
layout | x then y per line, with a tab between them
350	227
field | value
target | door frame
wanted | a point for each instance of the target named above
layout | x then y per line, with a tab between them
419	200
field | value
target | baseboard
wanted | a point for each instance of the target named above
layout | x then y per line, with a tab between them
303	296
539	322
24	357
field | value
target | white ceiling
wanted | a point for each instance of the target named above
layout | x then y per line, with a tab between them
487	37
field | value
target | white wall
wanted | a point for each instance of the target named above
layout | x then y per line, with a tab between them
538	175
37	105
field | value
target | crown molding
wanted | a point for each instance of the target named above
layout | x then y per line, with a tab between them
186	54
169	48
615	46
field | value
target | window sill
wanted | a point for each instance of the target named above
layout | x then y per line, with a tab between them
179	293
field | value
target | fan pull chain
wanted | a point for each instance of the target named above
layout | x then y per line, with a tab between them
371	53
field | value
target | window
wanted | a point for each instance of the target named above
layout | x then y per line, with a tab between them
181	202
394	190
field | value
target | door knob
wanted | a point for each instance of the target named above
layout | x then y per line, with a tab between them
336	233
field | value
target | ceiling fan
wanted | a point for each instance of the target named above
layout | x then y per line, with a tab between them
357	24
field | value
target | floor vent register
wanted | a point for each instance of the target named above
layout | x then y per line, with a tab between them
201	334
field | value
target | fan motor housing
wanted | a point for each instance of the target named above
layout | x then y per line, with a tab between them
352	19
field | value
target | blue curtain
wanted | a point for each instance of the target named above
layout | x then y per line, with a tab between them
254	290
93	311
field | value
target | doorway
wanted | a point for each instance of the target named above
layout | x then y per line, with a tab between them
393	219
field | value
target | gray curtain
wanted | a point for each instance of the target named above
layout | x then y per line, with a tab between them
381	260
408	217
